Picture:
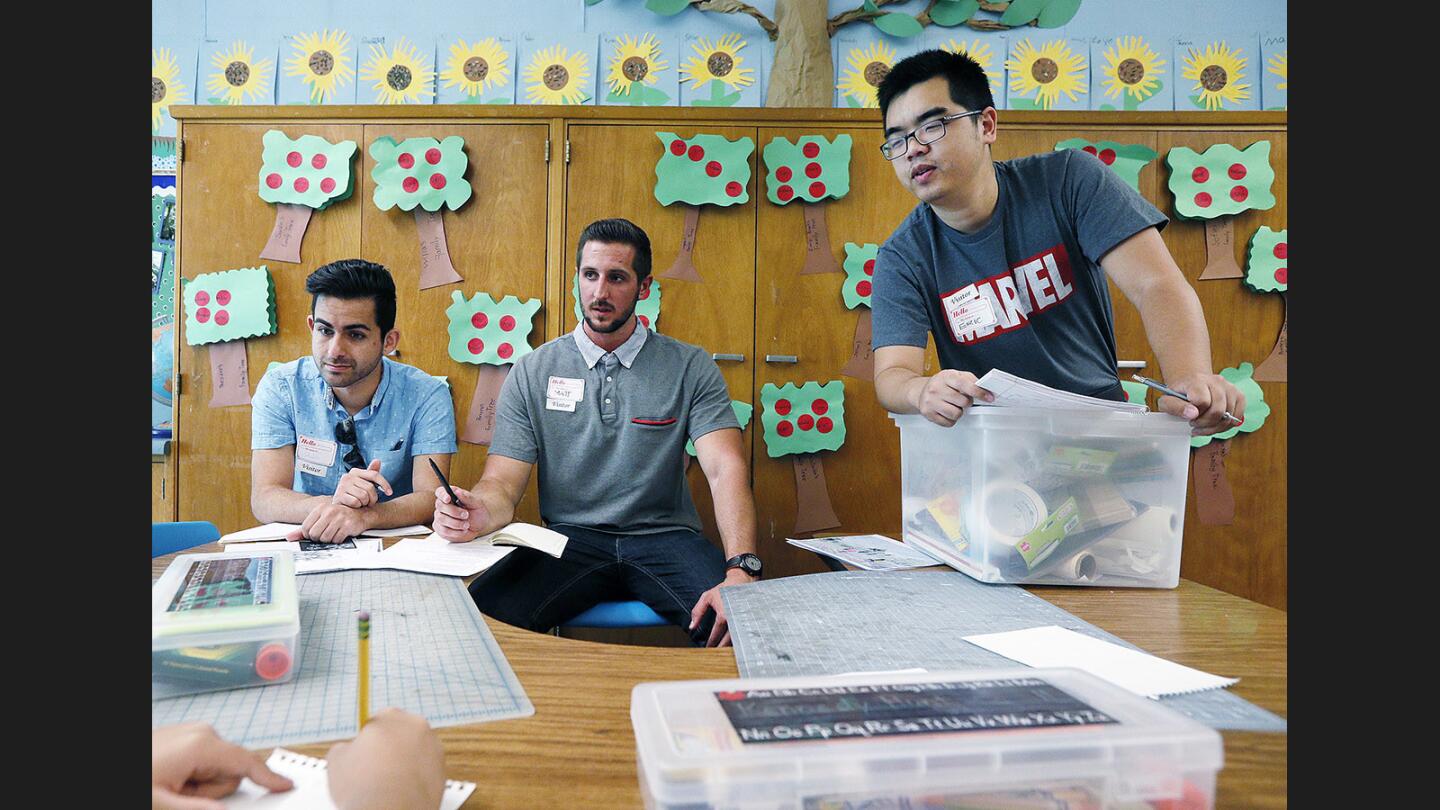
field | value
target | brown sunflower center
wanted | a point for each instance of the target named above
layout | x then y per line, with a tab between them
476	69
1044	70
635	68
720	64
322	62
157	90
1130	71
237	73
875	72
556	77
398	77
1214	78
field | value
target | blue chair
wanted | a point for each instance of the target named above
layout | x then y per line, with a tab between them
618	614
166	538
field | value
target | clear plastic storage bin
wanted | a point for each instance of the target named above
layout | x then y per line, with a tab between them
223	621
980	739
1056	497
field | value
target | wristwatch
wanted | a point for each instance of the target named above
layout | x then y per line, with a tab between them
749	563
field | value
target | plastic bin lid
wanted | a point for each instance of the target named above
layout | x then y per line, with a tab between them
222	597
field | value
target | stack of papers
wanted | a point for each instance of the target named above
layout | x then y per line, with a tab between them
1018	392
277	531
423	555
868	552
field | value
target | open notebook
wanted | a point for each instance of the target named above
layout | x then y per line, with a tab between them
312	790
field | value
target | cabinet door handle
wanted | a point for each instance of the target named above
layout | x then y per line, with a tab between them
781	358
1131	364
738	358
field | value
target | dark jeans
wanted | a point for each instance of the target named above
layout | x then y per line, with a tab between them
667	571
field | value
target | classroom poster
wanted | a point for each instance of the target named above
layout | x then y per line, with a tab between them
172	81
317	66
557	69
722	71
396	69
1217	72
237	70
1275	53
1131	71
639	69
1047	70
863	56
475	68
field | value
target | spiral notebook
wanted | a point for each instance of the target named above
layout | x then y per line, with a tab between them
312	790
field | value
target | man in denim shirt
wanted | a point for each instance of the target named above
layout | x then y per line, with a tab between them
340	442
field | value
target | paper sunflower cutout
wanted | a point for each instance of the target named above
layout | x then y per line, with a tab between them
1217	72
1047	72
476	68
1131	70
165	86
868	67
1280	66
981	53
719	66
322	61
236	78
634	69
557	76
400	75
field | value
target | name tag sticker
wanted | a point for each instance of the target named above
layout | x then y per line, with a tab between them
315	451
312	469
968	310
553	404
567	389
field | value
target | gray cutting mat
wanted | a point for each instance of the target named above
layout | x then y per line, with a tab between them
862	621
430	654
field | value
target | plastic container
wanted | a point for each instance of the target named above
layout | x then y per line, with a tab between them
1012	738
224	621
1056	497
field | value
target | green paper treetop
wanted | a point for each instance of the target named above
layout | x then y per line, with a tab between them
1256	410
308	170
484	331
742	410
1223	180
859	269
1134	391
804	419
229	305
420	171
1127	159
703	170
810	170
647	309
1265	263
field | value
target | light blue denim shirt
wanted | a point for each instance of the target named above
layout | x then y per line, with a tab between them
410	415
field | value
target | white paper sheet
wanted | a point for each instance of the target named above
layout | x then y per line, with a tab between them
277	531
312	787
436	555
1141	673
334	558
869	552
1018	392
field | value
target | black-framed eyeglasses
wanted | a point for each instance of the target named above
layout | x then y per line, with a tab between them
345	434
927	133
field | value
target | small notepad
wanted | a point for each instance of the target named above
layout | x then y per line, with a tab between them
312	790
1139	672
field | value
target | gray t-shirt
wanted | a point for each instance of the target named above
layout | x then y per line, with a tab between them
1025	293
616	462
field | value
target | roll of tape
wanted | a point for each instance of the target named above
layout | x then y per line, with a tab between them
1156	528
1082	567
1010	510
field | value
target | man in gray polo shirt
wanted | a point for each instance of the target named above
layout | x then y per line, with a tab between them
603	413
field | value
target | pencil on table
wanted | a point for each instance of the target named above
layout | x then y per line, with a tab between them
364	690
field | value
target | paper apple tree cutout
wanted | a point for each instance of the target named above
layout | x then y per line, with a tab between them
298	177
1214	186
1134	391
423	175
812	170
1127	159
703	170
1214	501
647	309
859	277
491	334
802	421
221	311
1266	270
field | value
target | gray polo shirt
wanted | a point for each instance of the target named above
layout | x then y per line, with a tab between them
607	430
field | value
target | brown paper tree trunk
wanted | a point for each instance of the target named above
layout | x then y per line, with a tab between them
1276	366
813	511
435	267
818	258
290	223
684	266
1220	250
1214	501
229	374
861	364
480	422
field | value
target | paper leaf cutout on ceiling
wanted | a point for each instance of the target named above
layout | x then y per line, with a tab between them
802	419
419	171
485	331
229	305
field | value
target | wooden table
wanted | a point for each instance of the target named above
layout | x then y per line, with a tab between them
578	749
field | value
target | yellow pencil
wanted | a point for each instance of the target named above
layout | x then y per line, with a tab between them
364	690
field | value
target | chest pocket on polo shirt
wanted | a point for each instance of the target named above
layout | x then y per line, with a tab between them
654	422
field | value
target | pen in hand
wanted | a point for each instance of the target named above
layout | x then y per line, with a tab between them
444	483
1168	391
